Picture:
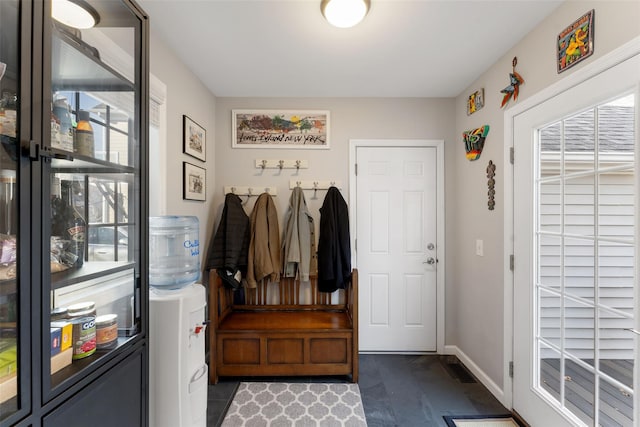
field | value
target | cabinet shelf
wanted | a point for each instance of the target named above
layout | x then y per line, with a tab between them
77	366
77	67
88	271
85	164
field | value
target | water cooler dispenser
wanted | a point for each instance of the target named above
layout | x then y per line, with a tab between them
178	372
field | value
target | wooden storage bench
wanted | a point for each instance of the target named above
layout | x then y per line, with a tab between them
288	337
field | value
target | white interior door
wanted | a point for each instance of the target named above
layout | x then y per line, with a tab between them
397	248
576	246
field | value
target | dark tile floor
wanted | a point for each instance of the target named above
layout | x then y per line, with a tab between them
397	390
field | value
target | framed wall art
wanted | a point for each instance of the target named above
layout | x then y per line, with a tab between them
194	181
194	139
575	43
307	129
475	101
474	142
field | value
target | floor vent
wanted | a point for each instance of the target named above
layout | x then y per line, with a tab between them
457	370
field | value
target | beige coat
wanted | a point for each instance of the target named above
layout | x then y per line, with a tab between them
298	243
264	247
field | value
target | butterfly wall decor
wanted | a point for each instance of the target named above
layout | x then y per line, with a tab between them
515	80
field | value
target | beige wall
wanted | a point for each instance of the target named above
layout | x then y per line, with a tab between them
185	94
351	118
475	321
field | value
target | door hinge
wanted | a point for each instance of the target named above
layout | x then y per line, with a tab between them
355	244
511	154
512	262
510	369
356	169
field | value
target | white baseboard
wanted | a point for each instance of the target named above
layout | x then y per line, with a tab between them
496	390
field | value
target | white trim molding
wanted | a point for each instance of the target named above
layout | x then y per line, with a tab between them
494	388
609	60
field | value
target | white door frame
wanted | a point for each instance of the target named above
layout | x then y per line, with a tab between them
600	65
440	217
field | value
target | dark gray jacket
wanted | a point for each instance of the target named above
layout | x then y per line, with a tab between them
229	248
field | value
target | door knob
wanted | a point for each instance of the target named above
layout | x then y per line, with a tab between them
430	261
431	246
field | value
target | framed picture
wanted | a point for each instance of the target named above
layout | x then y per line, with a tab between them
280	129
195	182
194	138
475	101
575	43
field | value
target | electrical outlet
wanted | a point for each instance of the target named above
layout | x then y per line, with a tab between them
479	247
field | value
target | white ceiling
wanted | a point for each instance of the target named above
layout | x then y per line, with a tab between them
403	48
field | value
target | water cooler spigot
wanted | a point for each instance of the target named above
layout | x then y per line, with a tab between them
198	328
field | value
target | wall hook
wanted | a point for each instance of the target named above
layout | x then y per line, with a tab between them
298	164
298	183
233	190
263	164
280	164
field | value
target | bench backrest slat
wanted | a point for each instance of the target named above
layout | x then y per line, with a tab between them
290	291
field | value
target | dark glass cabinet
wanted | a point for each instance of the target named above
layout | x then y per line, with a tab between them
73	214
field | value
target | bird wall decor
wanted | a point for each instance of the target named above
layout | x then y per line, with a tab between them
515	80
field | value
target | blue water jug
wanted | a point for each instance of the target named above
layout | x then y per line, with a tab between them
174	251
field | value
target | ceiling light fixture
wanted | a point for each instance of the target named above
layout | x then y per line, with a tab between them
344	13
74	13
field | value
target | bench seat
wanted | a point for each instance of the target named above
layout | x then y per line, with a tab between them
287	338
286	321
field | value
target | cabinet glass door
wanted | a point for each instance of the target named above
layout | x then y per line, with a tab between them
10	367
94	182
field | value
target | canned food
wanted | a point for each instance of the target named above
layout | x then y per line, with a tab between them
82	309
107	331
59	313
84	337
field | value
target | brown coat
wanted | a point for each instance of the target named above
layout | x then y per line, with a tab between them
264	247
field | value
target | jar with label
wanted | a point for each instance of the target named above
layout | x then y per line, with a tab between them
55	130
106	332
8	114
8	193
63	114
84	135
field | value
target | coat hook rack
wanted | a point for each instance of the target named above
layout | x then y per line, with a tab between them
250	191
313	185
281	164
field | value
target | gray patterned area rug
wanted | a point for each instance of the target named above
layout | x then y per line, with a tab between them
296	404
